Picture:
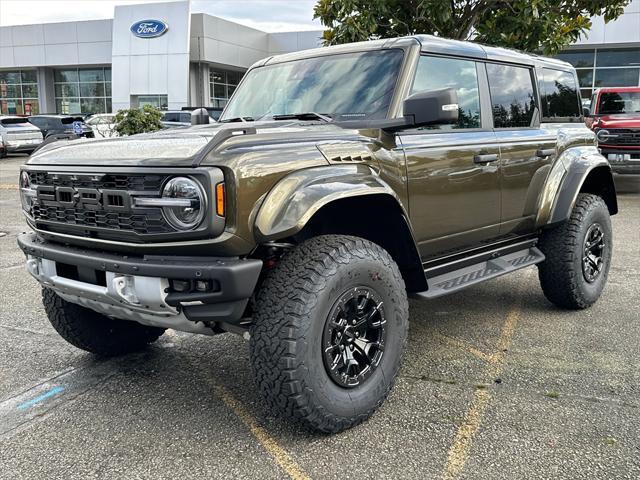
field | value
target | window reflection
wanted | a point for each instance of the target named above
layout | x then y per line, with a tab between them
434	73
351	86
512	95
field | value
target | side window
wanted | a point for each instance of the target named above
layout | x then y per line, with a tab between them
434	73
170	117
185	117
512	96
559	95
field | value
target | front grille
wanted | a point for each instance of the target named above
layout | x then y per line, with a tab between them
626	136
149	222
98	205
135	183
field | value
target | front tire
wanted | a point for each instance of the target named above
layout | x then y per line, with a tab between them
94	332
578	255
329	333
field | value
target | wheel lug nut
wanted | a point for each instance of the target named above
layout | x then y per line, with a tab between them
353	322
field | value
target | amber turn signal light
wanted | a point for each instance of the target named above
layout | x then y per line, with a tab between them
220	199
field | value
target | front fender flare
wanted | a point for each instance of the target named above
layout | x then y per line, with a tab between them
294	200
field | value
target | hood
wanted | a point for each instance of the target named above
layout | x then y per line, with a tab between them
631	120
181	147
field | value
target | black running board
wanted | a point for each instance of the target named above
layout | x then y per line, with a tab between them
446	279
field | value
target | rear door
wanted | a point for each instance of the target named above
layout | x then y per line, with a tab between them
452	170
526	149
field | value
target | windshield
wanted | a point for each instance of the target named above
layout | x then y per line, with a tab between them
619	102
344	86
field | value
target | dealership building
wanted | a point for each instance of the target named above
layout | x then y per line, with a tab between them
163	55
107	65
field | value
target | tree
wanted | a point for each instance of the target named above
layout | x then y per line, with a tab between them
138	120
540	26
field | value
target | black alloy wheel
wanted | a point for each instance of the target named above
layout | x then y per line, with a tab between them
593	248
354	337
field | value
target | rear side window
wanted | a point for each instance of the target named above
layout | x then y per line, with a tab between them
434	73
185	117
559	95
512	96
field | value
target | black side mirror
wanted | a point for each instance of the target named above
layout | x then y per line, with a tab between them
585	112
200	116
432	107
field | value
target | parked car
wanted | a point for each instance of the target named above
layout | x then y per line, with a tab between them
214	112
439	164
102	124
55	124
176	119
18	135
615	118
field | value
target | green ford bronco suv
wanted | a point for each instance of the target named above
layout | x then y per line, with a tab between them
338	181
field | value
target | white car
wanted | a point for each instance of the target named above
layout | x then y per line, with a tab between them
103	125
18	135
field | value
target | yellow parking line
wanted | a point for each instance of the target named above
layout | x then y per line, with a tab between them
462	345
459	451
8	186
270	444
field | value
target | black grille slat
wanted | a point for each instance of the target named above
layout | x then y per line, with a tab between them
626	136
141	183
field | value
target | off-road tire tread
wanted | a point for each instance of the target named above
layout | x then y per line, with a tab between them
283	305
558	276
94	332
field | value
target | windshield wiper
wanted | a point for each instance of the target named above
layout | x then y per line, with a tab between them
237	119
303	116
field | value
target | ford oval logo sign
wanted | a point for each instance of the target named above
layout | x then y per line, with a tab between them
149	28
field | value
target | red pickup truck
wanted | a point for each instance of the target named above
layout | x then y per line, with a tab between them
615	118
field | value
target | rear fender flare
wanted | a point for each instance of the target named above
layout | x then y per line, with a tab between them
565	181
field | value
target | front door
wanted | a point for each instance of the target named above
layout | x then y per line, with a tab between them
453	170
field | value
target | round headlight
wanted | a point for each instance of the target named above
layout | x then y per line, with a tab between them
26	193
602	135
186	203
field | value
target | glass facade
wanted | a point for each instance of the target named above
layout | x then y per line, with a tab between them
83	90
18	92
160	102
222	84
604	67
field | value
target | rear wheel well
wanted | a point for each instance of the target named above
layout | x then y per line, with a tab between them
377	218
599	182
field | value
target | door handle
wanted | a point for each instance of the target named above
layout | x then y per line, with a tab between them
485	158
545	152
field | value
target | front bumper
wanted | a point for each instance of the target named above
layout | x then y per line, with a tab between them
622	160
138	288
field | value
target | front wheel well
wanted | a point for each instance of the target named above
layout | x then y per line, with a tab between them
377	218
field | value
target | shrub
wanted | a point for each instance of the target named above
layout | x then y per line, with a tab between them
138	120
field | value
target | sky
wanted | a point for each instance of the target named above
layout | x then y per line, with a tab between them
266	15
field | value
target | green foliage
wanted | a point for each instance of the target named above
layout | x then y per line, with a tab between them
541	26
138	120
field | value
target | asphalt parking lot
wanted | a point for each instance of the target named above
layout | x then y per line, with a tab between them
497	383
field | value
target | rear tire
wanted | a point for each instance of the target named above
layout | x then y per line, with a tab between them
94	332
303	326
578	255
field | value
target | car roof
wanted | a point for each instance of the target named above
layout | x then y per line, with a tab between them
429	44
57	115
618	89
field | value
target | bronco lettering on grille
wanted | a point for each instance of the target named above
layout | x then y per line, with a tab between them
90	198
